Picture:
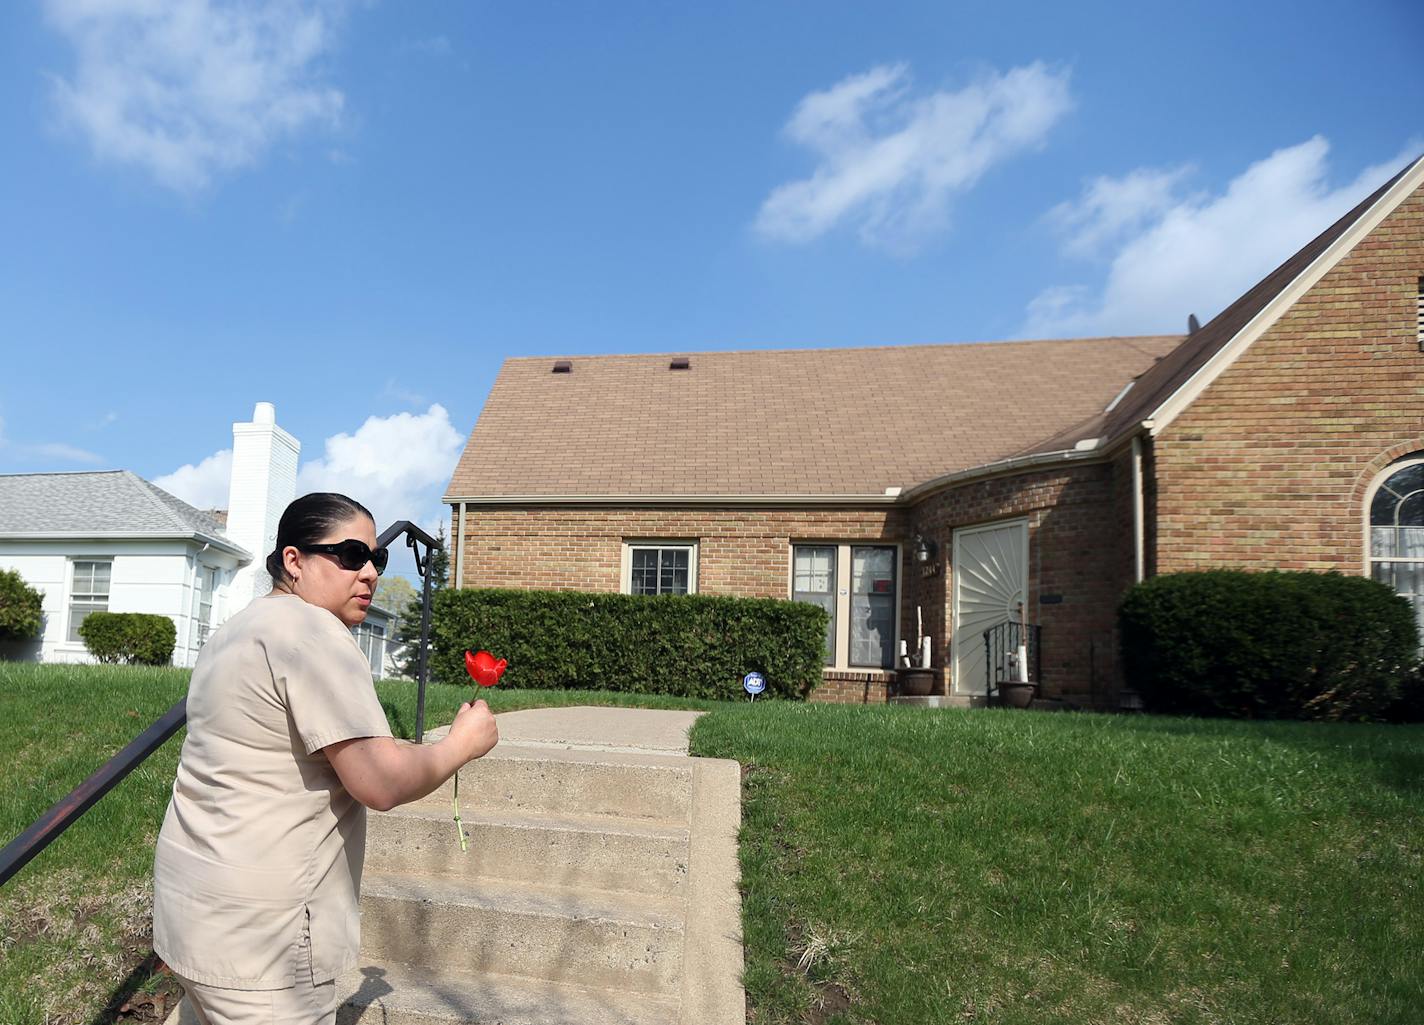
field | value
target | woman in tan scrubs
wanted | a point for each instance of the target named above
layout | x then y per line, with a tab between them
257	871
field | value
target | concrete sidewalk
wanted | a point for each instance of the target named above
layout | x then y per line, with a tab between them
629	730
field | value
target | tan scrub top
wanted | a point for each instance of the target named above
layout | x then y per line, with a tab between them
261	841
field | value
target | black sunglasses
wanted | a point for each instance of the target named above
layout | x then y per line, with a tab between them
352	554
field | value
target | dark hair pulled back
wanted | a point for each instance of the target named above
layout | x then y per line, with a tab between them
306	521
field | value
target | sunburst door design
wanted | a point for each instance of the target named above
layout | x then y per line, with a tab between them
990	580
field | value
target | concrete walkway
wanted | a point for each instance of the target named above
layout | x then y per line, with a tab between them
630	730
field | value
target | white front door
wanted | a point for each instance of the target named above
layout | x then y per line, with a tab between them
990	580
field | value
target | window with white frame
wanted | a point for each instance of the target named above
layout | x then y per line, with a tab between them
1397	533
371	638
872	606
88	592
862	630
660	567
203	604
813	579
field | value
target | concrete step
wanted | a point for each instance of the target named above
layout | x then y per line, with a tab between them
591	852
621	941
389	993
574	781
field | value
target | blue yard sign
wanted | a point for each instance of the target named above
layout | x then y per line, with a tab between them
753	683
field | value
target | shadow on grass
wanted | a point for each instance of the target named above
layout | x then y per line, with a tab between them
396	717
120	1001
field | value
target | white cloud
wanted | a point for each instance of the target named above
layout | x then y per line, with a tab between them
51	451
1112	208
397	466
395	390
1170	254
204	485
890	162
187	89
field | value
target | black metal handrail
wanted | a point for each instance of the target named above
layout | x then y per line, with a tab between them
67	810
18	852
414	538
1001	656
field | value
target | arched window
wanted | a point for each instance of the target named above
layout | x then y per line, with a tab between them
1397	533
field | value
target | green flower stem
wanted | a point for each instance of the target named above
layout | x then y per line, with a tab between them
459	828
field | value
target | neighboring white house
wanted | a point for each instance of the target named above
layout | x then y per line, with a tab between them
112	541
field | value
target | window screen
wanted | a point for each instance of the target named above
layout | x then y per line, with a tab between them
1397	536
814	581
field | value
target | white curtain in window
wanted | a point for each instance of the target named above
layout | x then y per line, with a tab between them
872	606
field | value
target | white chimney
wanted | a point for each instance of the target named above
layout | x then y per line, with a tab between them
263	484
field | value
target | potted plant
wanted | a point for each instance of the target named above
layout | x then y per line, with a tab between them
915	682
1018	694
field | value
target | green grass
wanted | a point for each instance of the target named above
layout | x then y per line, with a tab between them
904	866
75	922
72	920
900	866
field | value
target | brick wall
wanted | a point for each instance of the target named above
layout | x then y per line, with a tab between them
1268	468
741	552
1076	573
853	688
1076	518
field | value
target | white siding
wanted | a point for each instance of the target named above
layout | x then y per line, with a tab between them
147	576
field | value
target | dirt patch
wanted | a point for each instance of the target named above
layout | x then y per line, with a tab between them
816	952
831	999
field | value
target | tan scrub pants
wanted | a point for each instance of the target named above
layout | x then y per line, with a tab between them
302	1004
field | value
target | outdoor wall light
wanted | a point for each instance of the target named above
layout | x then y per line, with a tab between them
924	549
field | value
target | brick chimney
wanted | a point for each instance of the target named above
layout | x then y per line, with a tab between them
263	483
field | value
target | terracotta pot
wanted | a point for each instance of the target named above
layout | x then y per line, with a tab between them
1018	695
915	682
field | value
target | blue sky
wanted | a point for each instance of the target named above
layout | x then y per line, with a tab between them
358	210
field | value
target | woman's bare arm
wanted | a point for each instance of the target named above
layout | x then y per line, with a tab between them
382	773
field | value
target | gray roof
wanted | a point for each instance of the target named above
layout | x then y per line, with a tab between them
113	503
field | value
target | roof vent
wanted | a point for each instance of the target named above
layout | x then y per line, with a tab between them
680	363
563	366
1193	325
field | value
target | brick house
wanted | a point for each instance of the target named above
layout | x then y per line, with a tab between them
942	490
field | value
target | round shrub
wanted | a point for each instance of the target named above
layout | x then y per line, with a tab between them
1274	645
135	638
21	608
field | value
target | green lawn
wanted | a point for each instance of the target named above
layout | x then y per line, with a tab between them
74	923
900	866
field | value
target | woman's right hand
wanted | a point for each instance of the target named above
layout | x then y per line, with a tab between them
474	730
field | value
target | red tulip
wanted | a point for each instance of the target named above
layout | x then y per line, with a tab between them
484	668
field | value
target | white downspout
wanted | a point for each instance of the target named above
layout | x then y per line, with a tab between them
1139	539
460	551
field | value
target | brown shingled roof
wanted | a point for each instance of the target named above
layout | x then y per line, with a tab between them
813	422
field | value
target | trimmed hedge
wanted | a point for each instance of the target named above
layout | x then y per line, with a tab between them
687	645
135	638
21	607
1272	645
